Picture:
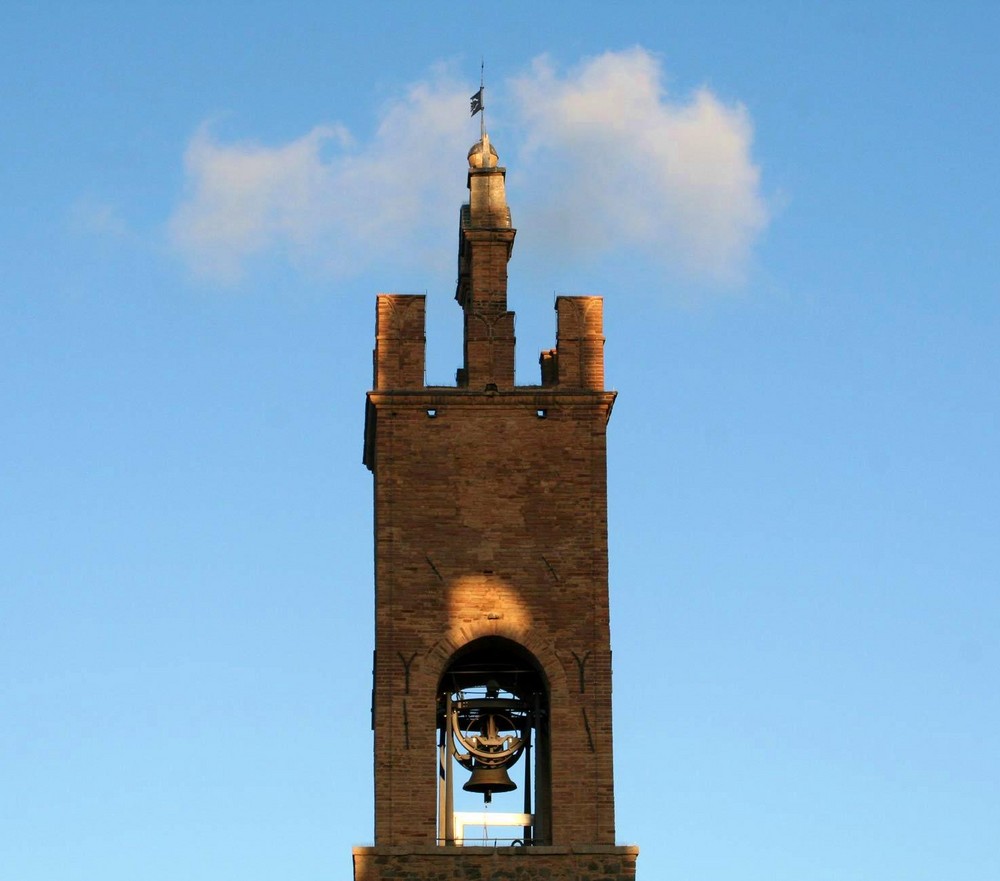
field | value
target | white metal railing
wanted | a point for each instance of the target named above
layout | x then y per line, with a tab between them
485	820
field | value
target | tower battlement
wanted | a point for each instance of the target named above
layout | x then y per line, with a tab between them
576	362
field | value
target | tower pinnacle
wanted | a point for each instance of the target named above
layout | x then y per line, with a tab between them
486	240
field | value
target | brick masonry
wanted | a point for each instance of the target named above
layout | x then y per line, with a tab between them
495	864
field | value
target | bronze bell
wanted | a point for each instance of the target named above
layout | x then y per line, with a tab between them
486	781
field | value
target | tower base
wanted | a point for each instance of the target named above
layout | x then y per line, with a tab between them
429	863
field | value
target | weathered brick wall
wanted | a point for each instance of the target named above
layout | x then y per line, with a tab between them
580	342
491	520
488	864
489	327
399	341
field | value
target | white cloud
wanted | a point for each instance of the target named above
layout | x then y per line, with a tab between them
620	165
607	162
320	201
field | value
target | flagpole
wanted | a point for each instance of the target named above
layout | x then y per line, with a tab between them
479	104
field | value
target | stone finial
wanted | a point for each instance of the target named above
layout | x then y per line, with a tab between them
483	154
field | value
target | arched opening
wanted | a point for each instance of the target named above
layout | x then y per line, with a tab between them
493	747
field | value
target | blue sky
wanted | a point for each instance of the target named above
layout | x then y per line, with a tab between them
792	213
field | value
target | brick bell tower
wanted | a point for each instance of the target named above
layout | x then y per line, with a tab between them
492	675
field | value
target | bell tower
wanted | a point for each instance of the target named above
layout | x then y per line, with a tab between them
491	702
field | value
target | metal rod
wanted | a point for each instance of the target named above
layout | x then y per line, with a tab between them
528	728
482	101
449	781
442	759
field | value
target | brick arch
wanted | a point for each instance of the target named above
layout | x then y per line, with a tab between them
432	665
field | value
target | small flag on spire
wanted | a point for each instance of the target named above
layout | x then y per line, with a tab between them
477	102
